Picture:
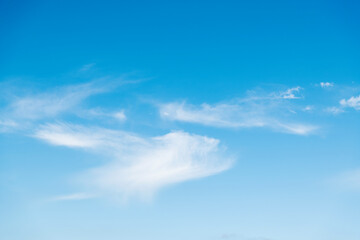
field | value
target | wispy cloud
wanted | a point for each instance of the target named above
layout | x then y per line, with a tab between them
72	197
87	67
24	111
353	102
308	108
6	125
326	84
77	136
244	113
219	115
53	102
290	93
137	165
119	115
334	110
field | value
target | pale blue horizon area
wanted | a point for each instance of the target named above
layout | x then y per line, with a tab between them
181	120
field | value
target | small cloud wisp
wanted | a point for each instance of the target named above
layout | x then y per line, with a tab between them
353	102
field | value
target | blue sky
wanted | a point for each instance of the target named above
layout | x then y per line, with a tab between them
197	120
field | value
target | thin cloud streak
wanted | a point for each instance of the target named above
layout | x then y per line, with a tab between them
118	115
243	114
73	197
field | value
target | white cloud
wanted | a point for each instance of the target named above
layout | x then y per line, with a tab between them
136	165
220	115
353	102
290	93
326	84
120	115
66	135
243	114
308	108
294	128
76	136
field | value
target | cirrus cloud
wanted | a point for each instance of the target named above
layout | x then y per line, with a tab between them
139	166
261	112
